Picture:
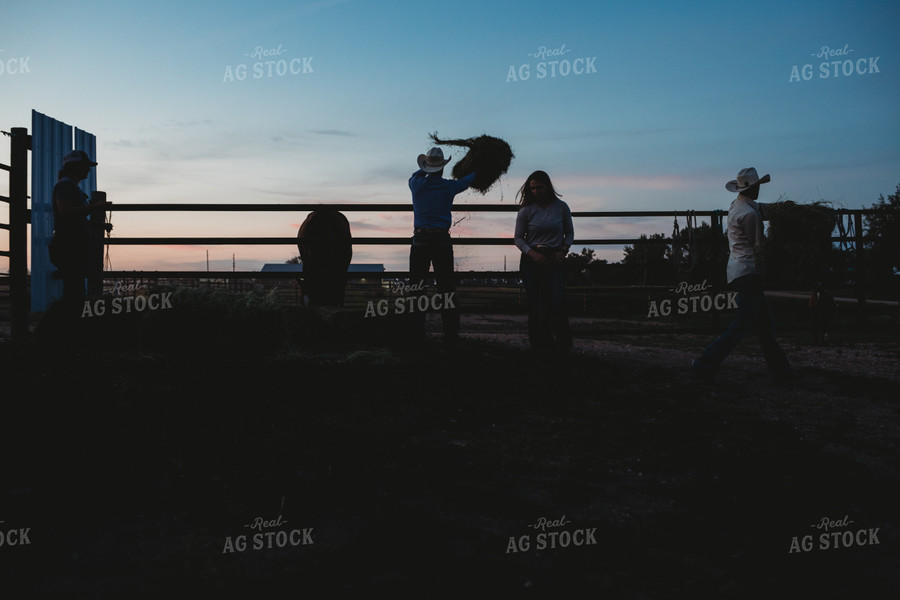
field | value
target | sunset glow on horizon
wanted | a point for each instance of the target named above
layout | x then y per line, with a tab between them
641	107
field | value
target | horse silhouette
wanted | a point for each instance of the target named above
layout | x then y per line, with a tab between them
325	246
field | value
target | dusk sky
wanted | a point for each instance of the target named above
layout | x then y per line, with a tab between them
627	105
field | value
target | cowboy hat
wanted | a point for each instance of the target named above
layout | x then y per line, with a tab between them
747	178
434	161
78	156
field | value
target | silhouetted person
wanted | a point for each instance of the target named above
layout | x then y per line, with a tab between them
544	232
432	198
71	240
744	273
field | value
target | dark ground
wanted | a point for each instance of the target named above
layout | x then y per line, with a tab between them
131	470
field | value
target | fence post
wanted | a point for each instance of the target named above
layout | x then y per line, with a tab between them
860	266
18	232
720	248
95	247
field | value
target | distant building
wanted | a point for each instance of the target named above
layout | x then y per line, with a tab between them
362	280
356	273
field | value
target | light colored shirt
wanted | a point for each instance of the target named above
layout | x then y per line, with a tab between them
550	226
745	237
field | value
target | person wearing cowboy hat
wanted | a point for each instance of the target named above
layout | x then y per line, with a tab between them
744	274
432	198
70	243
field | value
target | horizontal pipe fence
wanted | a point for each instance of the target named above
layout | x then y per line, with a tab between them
472	241
716	217
242	279
359	294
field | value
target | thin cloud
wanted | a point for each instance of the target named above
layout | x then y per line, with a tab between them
608	133
335	132
637	182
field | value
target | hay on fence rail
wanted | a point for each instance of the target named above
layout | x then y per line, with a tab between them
798	243
801	224
489	157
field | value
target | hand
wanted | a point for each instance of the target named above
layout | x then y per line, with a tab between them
97	206
537	257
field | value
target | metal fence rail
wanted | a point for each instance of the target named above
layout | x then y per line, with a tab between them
17	278
716	215
716	219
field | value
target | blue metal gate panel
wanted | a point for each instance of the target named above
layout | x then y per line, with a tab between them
87	142
51	140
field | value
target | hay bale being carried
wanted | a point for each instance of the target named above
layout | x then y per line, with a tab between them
798	245
489	157
798	227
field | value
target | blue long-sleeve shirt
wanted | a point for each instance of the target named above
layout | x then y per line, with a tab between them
432	198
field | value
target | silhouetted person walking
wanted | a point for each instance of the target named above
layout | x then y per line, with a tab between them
744	273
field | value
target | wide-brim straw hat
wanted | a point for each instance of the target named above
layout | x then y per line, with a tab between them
434	161
746	179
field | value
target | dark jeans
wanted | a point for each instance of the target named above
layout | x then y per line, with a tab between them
434	249
71	254
752	317
548	319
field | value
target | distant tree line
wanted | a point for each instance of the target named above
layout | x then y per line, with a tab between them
799	252
692	254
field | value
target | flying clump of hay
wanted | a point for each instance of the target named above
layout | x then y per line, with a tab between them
488	157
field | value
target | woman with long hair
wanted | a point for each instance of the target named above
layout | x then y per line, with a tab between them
544	233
